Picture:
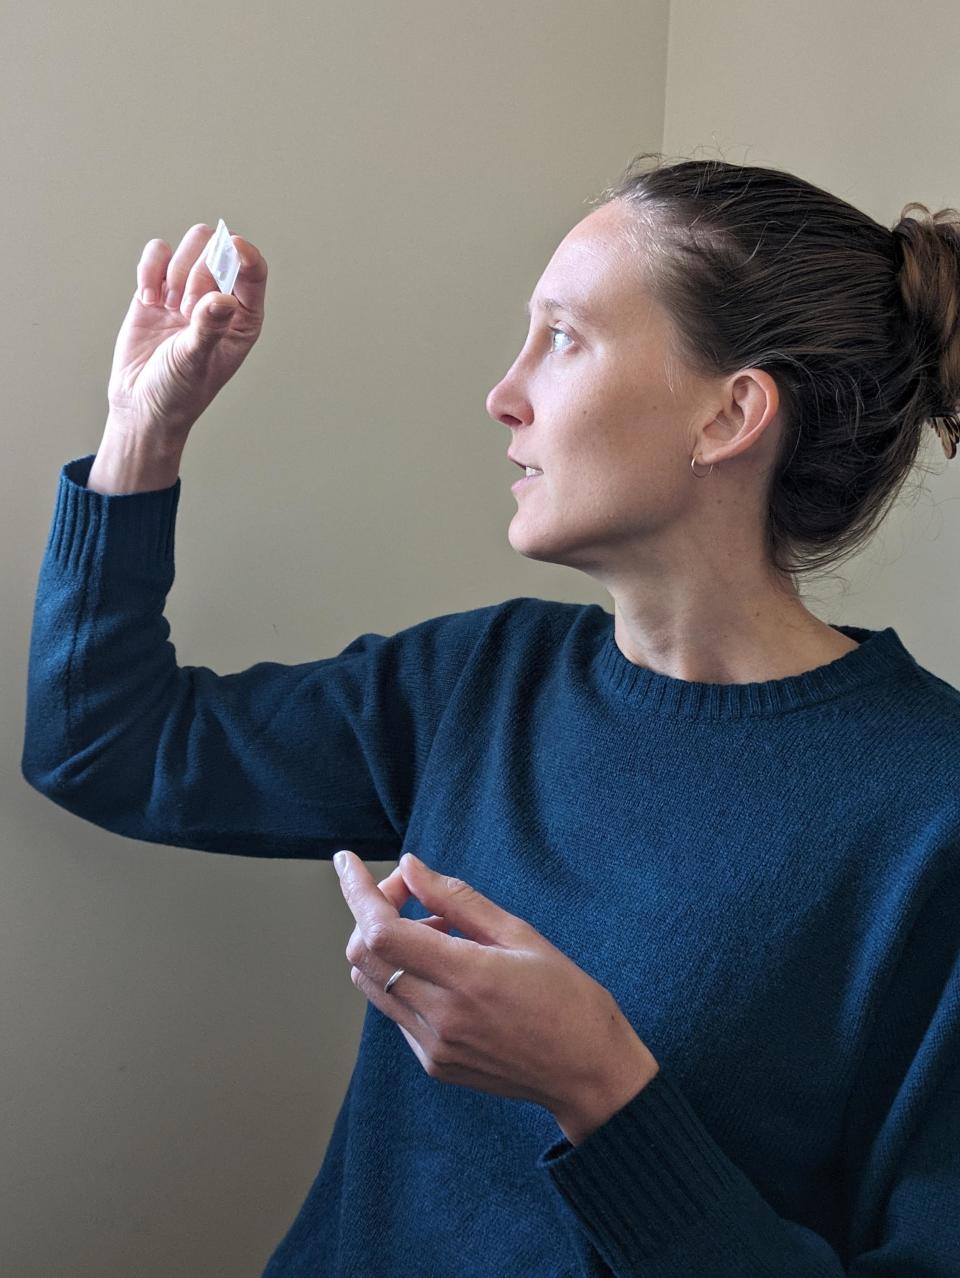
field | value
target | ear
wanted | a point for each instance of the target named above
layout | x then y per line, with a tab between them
750	405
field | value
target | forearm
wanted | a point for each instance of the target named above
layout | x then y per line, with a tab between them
101	673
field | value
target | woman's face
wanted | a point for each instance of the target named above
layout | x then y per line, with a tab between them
588	401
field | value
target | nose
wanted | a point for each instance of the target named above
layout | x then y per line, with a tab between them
493	401
505	405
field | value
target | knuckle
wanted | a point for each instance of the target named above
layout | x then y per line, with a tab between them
378	937
447	1029
478	991
436	1065
456	886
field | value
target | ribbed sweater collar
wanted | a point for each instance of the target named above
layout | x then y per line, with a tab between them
880	654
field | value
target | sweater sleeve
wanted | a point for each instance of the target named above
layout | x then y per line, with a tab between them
274	761
652	1193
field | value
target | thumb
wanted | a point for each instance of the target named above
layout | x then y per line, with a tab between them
209	321
398	894
459	904
211	318
220	308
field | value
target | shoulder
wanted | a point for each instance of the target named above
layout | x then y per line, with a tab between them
515	631
915	744
930	706
518	640
526	630
518	620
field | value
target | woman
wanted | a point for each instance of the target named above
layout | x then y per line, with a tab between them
687	997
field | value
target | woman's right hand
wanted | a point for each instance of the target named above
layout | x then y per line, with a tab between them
171	360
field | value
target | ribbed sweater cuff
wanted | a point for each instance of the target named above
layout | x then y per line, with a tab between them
651	1184
111	534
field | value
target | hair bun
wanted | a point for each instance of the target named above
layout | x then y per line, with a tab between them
929	279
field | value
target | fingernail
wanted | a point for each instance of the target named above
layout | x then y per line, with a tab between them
171	298
149	296
340	862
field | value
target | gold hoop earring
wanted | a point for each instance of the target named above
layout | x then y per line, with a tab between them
693	468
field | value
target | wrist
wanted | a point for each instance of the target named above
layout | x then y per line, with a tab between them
626	1075
130	463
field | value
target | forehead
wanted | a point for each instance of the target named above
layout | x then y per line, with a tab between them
583	312
593	274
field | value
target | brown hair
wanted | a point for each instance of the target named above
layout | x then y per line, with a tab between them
857	324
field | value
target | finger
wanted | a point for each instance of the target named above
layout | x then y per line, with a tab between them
468	910
200	281
182	263
417	998
395	889
397	893
251	285
439	925
397	1009
428	952
382	932
367	904
416	1048
436	922
151	269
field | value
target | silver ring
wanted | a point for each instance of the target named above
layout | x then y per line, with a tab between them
393	980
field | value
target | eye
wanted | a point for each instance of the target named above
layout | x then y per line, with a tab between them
561	333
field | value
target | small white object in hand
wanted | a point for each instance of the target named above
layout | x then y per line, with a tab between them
222	259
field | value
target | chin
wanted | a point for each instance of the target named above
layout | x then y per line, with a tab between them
585	549
549	550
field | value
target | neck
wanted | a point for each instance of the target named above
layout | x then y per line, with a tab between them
773	638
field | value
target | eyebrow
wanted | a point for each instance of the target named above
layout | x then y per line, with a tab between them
578	312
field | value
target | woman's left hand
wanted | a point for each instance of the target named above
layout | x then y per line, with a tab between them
499	1009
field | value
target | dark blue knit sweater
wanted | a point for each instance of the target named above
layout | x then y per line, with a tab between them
765	875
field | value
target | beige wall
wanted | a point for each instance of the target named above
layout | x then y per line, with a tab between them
179	1027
